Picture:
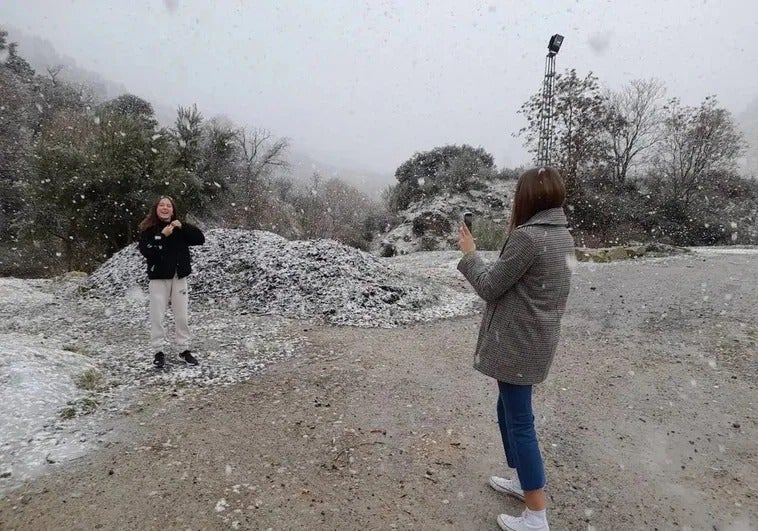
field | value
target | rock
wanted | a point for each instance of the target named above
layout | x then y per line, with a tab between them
437	216
6	474
72	275
609	254
428	243
494	201
665	249
616	253
636	251
387	249
584	254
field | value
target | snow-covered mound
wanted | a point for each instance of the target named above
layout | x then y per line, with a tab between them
260	272
431	223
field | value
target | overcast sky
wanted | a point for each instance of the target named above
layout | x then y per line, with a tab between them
365	84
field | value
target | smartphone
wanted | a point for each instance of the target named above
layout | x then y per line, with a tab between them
468	220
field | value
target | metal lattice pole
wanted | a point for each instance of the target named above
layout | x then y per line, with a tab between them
545	143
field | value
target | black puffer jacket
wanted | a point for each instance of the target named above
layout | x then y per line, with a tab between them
169	255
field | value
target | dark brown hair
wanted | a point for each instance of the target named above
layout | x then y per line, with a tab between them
152	219
538	189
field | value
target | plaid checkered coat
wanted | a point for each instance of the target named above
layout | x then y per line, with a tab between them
526	291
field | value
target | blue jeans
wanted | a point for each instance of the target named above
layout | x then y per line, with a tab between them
516	421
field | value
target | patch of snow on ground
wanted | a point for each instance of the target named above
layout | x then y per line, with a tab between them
53	335
15	291
36	384
725	250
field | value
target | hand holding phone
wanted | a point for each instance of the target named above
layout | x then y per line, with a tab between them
465	239
468	220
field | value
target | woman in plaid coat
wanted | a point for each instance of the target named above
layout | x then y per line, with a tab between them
526	291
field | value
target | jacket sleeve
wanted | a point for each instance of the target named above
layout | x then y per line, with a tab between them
192	235
151	244
492	281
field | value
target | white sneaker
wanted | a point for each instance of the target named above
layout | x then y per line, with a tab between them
528	521
508	486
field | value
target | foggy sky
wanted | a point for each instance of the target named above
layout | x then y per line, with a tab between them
366	84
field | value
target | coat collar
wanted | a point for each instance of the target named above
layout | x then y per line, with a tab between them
551	216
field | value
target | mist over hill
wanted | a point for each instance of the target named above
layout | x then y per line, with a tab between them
303	166
43	57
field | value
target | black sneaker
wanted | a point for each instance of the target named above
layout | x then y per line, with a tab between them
188	358
160	360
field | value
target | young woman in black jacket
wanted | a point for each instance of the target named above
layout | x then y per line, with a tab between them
164	241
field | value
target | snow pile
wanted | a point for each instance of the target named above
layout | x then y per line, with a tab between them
260	272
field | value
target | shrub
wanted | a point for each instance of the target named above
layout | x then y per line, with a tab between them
431	222
489	235
427	243
89	380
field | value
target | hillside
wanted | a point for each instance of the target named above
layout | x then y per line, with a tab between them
431	224
42	55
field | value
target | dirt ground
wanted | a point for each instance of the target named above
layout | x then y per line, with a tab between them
647	421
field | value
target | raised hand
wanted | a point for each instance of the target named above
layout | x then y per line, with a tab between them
465	240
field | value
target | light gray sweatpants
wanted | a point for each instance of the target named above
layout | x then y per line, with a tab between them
176	291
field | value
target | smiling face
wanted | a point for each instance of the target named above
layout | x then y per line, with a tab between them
164	209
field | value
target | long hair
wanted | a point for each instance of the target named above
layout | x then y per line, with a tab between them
152	219
538	189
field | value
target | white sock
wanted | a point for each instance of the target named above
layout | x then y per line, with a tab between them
535	516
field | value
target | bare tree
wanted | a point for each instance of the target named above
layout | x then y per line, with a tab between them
308	202
332	209
580	112
260	153
634	124
697	141
257	154
53	72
